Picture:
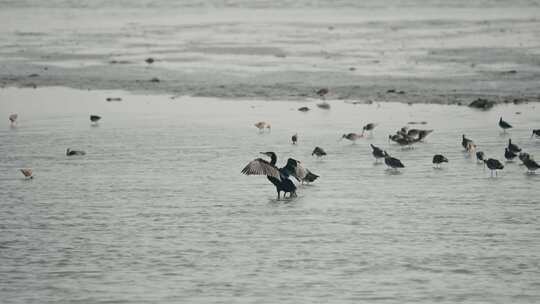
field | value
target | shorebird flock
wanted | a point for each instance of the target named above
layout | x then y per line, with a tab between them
405	137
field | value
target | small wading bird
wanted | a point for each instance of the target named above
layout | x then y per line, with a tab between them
493	165
294	139
369	127
377	152
303	109
535	132
70	152
504	125
27	173
406	138
261	125
467	144
513	147
480	156
438	159
13	119
392	162
95	118
509	155
531	165
318	151
278	177
351	136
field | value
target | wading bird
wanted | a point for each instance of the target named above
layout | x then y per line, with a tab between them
27	173
509	155
493	165
531	165
377	152
13	119
302	174
480	156
95	118
278	177
303	109
261	125
392	162
438	159
318	151
513	147
369	127
504	125
523	156
352	136
294	139
70	152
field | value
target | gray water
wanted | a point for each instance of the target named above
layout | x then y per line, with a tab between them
158	212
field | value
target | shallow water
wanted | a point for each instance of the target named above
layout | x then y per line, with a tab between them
157	211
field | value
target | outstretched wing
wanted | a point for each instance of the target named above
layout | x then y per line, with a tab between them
260	166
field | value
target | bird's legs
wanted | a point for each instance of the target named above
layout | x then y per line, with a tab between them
278	195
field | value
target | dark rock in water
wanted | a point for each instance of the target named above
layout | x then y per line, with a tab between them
303	109
352	69
391	91
149	60
114	99
510	72
482	103
155	79
33	75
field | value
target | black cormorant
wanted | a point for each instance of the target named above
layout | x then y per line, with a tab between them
278	177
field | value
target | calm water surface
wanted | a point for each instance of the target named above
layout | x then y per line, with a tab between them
158	212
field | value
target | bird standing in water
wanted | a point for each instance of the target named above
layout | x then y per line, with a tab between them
513	147
392	162
504	125
369	127
278	177
318	151
531	165
294	139
27	173
322	93
509	155
438	159
377	152
261	125
480	156
493	165
13	119
535	132
467	144
352	136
